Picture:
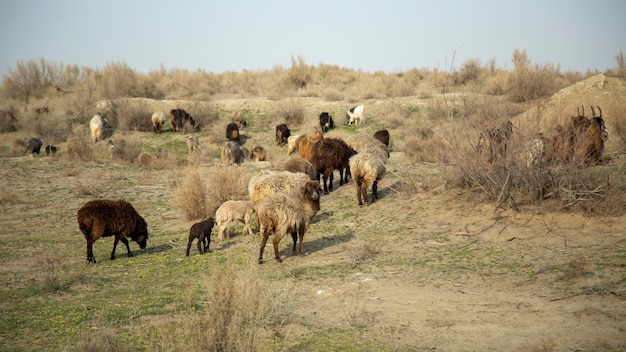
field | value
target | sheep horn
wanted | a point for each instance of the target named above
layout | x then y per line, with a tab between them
600	110
593	111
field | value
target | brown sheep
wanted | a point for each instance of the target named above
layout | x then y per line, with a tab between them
202	231
298	164
179	118
106	217
589	144
282	134
329	154
238	118
304	148
258	154
232	132
383	136
282	213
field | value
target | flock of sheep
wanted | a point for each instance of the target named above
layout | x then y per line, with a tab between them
281	201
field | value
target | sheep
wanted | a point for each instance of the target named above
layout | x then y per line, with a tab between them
234	210
293	142
304	148
329	154
232	154
96	125
179	118
232	132
238	118
282	213
326	122
590	137
33	146
158	118
192	143
361	142
258	154
282	134
264	184
245	153
367	168
356	115
201	231
107	217
144	160
51	150
383	136
299	164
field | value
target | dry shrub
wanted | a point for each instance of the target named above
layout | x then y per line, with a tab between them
79	147
47	266
192	194
123	150
575	269
226	183
127	116
242	309
291	111
332	94
100	340
8	121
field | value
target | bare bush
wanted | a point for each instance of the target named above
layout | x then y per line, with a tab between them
300	73
528	82
227	183
31	79
79	147
124	150
192	194
291	111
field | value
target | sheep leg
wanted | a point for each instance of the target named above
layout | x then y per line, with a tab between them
374	191
125	241
188	246
330	185
90	258
264	237
277	238
200	244
358	183
364	193
294	236
301	238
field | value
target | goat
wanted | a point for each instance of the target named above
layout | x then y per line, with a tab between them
356	115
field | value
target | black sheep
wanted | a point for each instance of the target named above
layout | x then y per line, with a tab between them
329	154
282	133
232	132
106	217
326	122
202	231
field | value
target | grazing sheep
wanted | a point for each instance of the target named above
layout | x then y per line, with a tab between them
234	210
158	118
262	185
232	132
232	154
96	125
238	118
258	154
144	160
51	150
192	143
201	231
34	146
106	217
326	122
245	153
304	148
361	142
282	213
329	154
282	134
298	164
367	168
179	118
383	136
356	115
293	142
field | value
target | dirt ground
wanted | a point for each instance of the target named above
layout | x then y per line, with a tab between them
431	268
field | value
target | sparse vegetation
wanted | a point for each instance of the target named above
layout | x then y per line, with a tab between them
460	244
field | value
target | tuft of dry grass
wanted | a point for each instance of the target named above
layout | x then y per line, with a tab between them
291	111
192	194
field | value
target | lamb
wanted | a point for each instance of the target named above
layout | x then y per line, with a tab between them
192	143
262	185
326	122
304	148
51	150
106	217
367	168
282	134
356	115
258	154
232	132
234	210
282	213
304	166
232	154
96	125
158	118
329	154
144	160
293	142
201	231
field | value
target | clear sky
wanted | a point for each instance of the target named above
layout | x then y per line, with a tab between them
385	35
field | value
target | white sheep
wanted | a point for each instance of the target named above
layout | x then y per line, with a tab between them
158	118
282	213
96	125
262	185
360	142
292	143
356	115
233	210
367	168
